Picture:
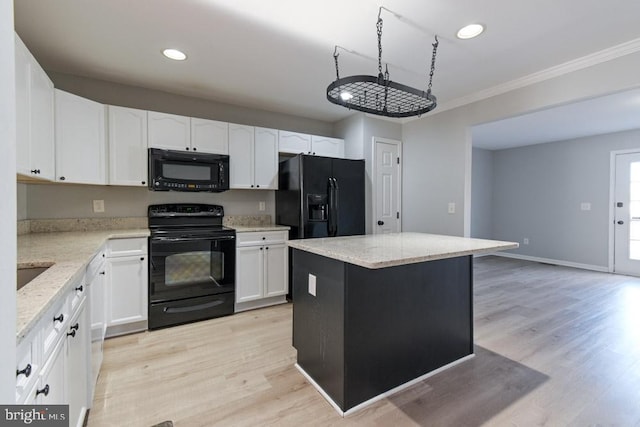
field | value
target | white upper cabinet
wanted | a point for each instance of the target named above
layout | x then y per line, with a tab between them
253	157
172	132
325	146
127	146
169	131
209	136
80	139
34	117
294	142
266	159
241	156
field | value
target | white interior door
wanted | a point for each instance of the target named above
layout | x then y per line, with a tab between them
387	179
627	214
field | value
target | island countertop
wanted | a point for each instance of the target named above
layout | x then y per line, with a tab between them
388	250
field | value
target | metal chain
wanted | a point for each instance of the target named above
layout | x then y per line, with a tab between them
379	30
433	63
335	58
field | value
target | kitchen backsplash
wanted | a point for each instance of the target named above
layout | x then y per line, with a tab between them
122	223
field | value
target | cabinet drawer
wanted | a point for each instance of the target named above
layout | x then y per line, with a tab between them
28	365
54	330
261	237
77	294
127	247
97	264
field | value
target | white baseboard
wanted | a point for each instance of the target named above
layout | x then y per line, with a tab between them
259	303
382	395
553	261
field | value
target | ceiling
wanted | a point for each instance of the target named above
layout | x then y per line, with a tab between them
277	55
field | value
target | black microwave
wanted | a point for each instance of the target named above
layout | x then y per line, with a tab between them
185	171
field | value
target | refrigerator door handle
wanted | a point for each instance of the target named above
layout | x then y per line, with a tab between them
336	199
331	211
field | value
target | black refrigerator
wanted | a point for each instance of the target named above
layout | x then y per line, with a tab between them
321	196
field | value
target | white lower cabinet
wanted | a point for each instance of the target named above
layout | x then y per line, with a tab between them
78	366
53	360
126	284
261	269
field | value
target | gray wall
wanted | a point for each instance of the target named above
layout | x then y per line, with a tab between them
482	194
148	99
358	132
22	201
538	189
437	147
75	201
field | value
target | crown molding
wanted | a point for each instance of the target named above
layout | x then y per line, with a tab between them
617	51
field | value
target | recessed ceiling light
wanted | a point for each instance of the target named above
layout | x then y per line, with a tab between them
174	54
470	31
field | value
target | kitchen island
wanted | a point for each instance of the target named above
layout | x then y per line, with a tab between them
374	314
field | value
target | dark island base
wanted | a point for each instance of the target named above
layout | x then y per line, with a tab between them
369	331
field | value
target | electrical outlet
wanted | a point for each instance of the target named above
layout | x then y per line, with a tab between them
261	206
585	206
451	208
312	284
525	241
98	206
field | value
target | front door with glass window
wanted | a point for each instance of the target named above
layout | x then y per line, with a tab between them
627	214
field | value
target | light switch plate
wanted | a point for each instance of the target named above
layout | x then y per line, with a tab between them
585	206
98	206
451	208
312	284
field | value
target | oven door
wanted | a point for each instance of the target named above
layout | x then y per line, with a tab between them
190	266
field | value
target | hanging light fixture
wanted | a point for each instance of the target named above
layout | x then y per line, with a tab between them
378	94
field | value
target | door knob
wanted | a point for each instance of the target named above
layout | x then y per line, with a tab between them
380	222
620	222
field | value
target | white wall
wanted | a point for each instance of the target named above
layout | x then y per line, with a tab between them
437	148
8	205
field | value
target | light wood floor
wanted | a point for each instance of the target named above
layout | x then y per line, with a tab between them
555	346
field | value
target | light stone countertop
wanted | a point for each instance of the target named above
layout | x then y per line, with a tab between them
252	228
388	250
68	254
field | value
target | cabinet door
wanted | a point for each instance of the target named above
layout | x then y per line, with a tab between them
249	273
209	136
23	131
169	131
293	142
266	159
80	140
275	282
329	147
52	388
127	146
78	375
241	156
126	290
42	123
98	323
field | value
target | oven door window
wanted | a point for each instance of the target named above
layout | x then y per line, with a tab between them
189	268
194	267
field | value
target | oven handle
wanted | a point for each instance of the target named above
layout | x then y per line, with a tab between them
189	239
173	310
